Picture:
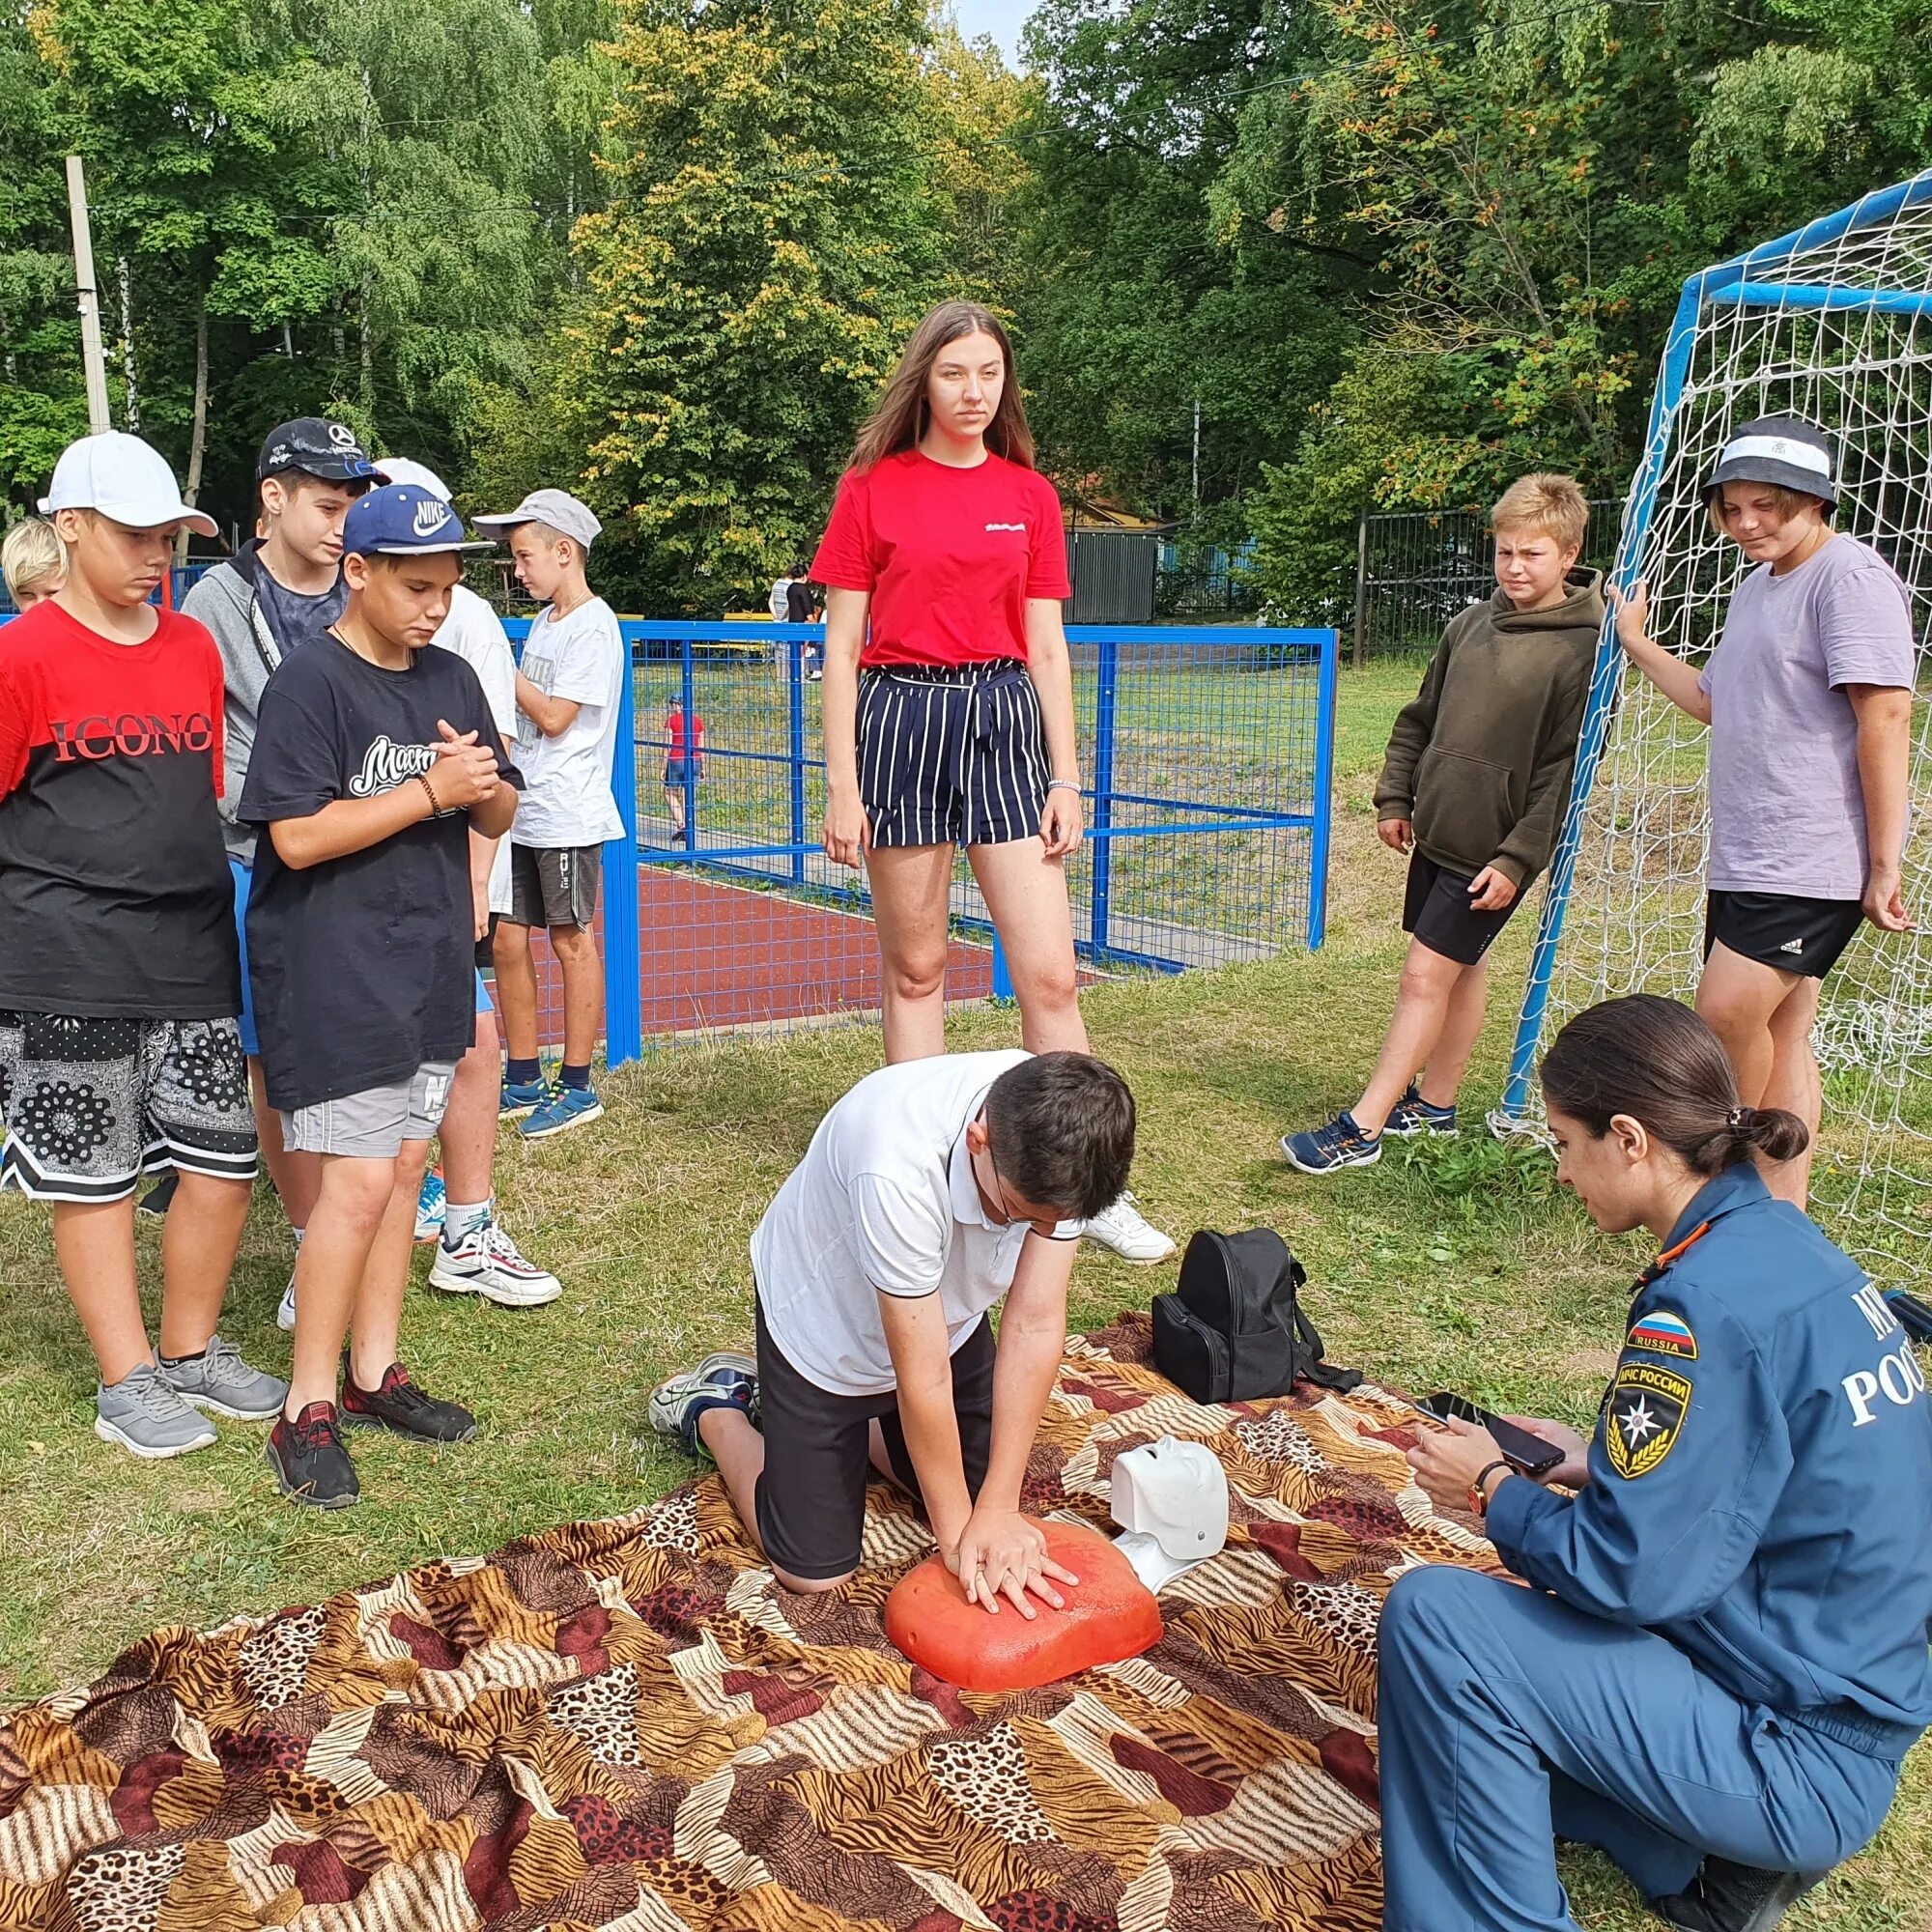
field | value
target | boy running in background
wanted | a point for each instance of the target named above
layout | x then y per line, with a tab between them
1474	789
376	757
278	590
684	757
1808	698
119	983
568	691
32	561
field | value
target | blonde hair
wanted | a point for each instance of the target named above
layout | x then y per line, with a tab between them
899	420
33	558
1547	501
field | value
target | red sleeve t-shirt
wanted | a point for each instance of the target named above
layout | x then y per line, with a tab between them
950	556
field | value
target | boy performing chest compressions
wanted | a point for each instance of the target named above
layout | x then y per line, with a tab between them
932	1192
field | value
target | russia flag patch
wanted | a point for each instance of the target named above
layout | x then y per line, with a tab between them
1661	1333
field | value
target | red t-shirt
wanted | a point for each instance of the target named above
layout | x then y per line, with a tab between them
674	731
115	899
950	556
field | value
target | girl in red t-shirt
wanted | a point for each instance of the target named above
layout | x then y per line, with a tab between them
949	702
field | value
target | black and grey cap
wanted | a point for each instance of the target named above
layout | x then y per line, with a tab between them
317	447
1785	450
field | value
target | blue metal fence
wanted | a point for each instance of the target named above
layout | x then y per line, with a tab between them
1207	753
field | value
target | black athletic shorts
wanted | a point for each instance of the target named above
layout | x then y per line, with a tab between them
1436	908
951	754
811	1498
1794	935
554	885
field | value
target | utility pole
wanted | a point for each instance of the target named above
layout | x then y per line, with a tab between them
97	419
1197	460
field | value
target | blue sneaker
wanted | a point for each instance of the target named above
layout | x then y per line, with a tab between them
431	1199
566	1107
719	1381
520	1097
1340	1143
1412	1115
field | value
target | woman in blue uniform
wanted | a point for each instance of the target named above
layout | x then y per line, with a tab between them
1721	1658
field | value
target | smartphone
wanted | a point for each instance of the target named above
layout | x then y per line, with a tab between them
1526	1454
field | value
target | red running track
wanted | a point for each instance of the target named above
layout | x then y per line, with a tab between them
718	956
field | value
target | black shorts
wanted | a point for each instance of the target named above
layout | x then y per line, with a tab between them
1793	935
1436	908
554	885
951	754
811	1498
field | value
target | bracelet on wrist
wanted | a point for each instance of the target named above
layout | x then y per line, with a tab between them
1062	785
1478	1496
435	804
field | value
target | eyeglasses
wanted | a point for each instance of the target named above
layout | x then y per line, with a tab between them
1039	1224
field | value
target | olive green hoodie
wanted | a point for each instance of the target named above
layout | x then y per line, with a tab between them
1479	762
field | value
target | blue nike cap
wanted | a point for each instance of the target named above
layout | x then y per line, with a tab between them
402	521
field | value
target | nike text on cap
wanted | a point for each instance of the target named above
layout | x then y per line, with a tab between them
317	447
557	508
123	479
1785	451
403	470
402	521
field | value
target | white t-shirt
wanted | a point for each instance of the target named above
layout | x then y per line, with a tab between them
883	1203
476	633
776	602
567	798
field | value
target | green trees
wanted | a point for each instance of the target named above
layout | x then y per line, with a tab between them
771	232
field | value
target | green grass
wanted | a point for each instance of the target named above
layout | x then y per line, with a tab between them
1450	1266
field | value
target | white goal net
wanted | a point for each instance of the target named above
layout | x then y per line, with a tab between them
1833	324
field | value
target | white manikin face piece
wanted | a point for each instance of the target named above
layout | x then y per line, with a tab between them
1172	1499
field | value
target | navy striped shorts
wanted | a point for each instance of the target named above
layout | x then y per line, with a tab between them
951	754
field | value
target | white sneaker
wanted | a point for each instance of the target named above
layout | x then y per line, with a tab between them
1120	1227
485	1262
285	1314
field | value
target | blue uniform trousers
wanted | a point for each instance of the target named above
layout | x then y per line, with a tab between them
1507	1718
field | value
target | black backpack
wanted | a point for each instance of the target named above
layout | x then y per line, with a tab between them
1234	1330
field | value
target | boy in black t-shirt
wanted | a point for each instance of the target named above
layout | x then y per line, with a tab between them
118	985
373	758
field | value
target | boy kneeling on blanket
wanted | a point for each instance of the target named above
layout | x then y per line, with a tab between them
934	1189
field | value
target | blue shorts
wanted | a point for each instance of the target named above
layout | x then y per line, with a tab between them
243	877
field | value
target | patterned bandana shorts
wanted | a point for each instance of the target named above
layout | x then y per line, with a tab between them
91	1104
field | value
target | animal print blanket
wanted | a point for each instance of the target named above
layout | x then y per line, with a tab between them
628	1725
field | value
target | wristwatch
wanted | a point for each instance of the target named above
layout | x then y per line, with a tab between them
1479	1498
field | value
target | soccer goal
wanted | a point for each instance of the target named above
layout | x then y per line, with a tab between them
1832	322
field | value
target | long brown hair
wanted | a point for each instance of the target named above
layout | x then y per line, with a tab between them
899	420
1659	1063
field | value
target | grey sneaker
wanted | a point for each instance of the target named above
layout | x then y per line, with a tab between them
146	1416
219	1379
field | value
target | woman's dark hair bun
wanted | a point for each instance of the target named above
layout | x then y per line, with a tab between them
1659	1063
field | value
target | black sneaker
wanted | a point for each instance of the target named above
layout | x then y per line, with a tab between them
160	1197
310	1464
1724	1897
399	1405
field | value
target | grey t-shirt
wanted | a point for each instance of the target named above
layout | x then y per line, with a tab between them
1787	807
294	615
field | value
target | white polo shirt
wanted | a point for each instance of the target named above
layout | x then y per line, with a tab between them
883	1203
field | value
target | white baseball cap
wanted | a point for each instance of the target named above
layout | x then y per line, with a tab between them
123	479
404	470
557	508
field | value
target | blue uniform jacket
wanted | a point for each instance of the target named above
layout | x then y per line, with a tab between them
1759	1477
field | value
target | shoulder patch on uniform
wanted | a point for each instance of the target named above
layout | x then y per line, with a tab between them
1645	1418
1662	1333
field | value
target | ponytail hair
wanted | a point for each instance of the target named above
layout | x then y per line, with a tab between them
1657	1061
